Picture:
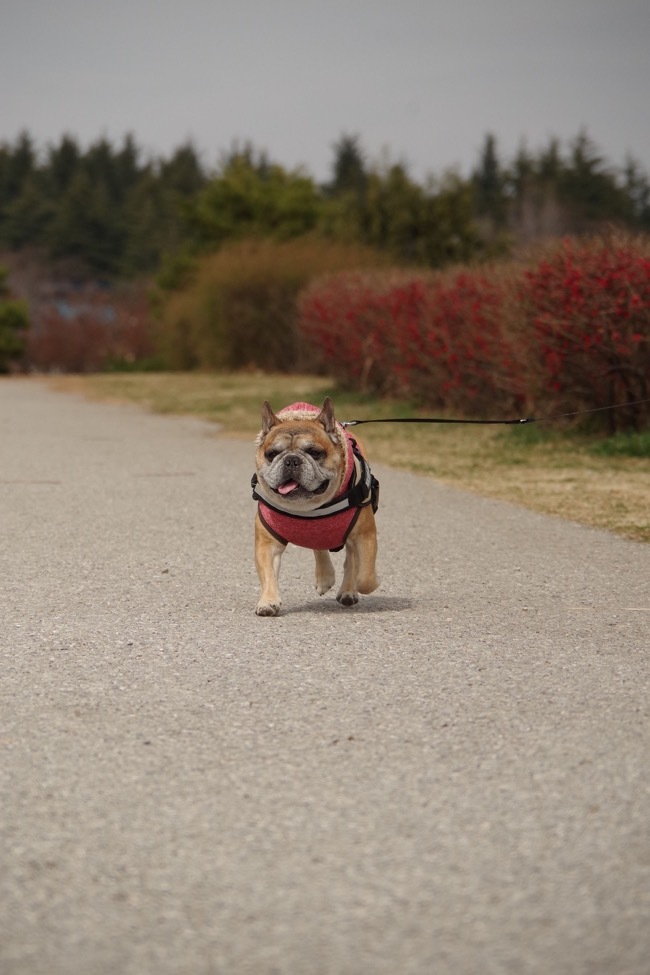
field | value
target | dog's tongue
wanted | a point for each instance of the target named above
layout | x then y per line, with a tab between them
288	487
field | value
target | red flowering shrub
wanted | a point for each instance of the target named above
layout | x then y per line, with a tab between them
436	338
353	321
586	309
459	358
90	332
570	332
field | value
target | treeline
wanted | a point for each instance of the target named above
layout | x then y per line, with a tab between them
108	211
558	193
105	211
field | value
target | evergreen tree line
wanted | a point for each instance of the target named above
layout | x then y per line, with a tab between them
104	211
554	193
110	212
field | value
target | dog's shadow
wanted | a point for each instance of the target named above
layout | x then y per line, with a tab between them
380	604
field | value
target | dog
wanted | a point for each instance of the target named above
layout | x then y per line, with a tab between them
315	489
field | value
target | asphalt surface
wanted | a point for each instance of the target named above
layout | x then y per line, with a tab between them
450	777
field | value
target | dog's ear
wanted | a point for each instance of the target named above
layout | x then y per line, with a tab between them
326	416
269	419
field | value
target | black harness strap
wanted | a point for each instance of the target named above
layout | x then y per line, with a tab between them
363	491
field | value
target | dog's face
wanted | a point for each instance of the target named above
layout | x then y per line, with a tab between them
300	462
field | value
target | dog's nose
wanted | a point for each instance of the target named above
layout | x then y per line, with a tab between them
291	461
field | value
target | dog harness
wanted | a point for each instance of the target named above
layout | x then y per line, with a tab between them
328	526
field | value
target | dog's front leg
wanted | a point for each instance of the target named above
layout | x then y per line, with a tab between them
325	574
347	594
268	554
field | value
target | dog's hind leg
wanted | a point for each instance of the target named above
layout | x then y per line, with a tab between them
359	573
324	571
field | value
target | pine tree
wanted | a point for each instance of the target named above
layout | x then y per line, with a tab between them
489	183
183	174
348	169
62	165
88	227
27	217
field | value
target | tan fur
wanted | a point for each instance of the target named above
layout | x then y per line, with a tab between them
359	575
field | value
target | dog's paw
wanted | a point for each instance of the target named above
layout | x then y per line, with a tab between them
323	584
368	585
267	609
325	573
348	598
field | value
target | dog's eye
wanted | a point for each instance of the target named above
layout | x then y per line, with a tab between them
271	454
315	453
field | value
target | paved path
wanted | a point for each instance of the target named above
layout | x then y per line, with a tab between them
451	777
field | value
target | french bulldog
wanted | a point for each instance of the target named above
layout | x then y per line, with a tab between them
314	488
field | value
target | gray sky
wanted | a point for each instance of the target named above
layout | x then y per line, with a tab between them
419	80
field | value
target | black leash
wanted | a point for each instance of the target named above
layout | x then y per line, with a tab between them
518	422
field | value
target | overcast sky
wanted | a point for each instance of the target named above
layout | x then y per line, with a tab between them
420	80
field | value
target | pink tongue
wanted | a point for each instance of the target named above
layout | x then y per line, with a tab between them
288	487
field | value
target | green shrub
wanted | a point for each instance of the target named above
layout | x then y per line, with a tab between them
239	309
13	325
634	444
